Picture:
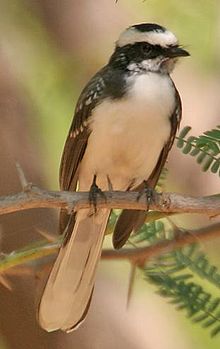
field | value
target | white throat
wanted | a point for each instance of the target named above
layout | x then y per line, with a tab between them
159	64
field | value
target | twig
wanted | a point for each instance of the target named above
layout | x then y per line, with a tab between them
137	256
131	282
28	254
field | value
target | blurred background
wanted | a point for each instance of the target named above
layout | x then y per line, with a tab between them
48	51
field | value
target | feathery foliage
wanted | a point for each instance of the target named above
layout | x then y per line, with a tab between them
205	148
199	304
176	276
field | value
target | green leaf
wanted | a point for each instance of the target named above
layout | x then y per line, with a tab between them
182	135
215	331
201	157
213	134
215	166
207	164
195	151
205	148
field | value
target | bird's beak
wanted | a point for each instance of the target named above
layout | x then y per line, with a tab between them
173	52
171	55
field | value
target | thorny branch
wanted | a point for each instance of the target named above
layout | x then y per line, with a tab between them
141	255
137	256
163	204
34	197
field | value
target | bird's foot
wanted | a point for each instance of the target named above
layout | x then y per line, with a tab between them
149	194
94	192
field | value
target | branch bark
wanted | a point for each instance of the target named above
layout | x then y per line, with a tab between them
34	197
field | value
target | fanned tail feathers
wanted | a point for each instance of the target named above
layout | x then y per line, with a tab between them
68	292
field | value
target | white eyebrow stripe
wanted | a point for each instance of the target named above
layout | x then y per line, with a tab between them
132	35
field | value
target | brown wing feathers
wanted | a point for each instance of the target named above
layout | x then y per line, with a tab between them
76	143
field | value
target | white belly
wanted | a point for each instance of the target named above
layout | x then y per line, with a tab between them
128	134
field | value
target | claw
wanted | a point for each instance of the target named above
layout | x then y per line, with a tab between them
93	194
149	194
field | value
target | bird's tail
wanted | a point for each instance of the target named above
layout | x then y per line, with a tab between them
68	292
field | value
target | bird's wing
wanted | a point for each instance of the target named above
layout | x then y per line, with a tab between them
132	220
69	288
77	139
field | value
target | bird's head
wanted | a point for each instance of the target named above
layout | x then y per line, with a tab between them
148	47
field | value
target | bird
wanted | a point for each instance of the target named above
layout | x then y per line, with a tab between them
123	128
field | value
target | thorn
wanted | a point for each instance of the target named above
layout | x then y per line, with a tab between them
49	237
131	283
110	186
24	183
213	216
174	226
180	231
1	236
5	282
177	230
22	270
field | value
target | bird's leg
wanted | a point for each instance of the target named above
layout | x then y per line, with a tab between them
94	192
148	192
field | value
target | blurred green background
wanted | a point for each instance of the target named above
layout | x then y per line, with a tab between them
49	50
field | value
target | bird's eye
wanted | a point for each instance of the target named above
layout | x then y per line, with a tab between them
146	48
